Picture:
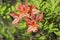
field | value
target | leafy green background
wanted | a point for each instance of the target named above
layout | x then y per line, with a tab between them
49	28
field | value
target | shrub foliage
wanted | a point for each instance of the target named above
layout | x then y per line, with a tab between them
50	27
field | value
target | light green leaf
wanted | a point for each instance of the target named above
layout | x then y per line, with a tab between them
13	8
50	28
41	25
57	33
3	8
42	38
55	29
22	25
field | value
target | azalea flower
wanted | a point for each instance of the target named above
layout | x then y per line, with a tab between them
32	16
28	21
23	12
16	18
40	17
32	26
33	9
37	18
23	9
28	13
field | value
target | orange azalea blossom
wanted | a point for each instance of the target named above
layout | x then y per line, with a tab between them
37	18
33	9
32	16
24	12
32	26
23	9
40	17
16	18
28	13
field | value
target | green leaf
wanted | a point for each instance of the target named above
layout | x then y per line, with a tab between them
42	38
57	33
46	18
13	30
37	4
49	14
50	28
8	11
55	29
45	27
57	9
2	9
22	25
8	17
16	5
4	17
13	8
56	3
40	24
2	31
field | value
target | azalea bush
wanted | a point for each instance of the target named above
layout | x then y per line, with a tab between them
30	20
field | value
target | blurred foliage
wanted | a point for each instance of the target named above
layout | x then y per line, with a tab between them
49	28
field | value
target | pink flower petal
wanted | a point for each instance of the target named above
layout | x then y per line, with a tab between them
28	21
16	20
41	17
37	18
32	16
35	11
14	15
20	7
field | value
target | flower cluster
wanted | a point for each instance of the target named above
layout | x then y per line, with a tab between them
30	15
